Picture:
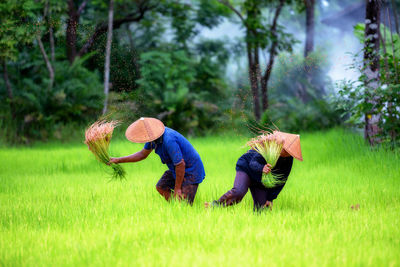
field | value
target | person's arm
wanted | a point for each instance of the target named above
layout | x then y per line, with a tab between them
138	156
175	153
180	174
257	164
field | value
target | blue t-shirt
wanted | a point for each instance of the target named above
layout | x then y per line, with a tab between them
173	149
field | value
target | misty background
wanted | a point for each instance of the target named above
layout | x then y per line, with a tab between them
339	40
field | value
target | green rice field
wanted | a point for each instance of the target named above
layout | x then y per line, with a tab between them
58	208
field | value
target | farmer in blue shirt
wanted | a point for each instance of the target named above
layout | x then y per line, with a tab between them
185	168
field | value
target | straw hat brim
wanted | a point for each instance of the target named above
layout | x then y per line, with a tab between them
291	144
145	130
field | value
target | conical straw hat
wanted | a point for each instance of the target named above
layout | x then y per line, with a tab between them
145	130
291	144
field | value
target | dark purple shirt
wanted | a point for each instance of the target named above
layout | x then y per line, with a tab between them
252	163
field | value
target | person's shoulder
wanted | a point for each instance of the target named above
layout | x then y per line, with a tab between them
249	155
149	146
171	131
173	135
168	134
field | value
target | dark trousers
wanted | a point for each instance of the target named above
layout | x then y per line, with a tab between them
240	187
167	184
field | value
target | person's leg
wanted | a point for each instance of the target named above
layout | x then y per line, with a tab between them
260	195
239	190
189	191
166	184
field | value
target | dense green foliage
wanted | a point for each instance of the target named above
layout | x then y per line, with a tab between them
353	95
181	90
32	105
58	208
156	66
75	98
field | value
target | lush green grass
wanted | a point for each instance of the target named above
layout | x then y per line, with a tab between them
58	208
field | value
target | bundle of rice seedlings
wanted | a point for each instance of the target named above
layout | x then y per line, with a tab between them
269	146
97	138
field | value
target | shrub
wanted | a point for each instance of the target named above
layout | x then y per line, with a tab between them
295	116
171	90
75	97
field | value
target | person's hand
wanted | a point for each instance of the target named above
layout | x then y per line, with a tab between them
178	194
267	168
113	160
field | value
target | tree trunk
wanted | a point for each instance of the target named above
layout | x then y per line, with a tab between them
49	66
272	52
252	55
9	89
72	22
257	66
108	53
253	81
47	13
396	19
52	50
385	59
371	67
393	50
47	61
309	46
391	108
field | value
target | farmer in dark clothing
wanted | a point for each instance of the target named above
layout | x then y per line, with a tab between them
185	168
249	169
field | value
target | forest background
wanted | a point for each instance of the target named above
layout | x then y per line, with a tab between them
199	66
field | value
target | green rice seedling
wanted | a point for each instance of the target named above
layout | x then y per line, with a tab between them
57	212
270	147
97	138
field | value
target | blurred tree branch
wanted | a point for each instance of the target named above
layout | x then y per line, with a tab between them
143	6
229	5
47	61
272	53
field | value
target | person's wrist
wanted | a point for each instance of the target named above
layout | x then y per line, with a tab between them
178	188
